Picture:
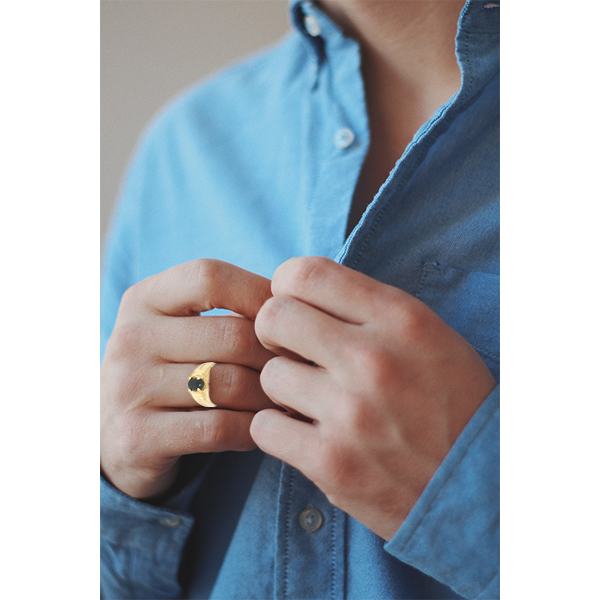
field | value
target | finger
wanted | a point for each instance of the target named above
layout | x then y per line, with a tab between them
285	322
280	435
333	288
230	386
296	386
207	339
177	433
201	285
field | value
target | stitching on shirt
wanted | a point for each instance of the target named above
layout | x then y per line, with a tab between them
334	554
451	113
428	267
485	32
486	352
286	554
468	62
458	462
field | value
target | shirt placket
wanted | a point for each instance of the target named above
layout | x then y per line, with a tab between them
310	541
338	134
310	554
311	533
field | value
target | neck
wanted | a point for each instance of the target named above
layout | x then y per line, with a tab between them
407	43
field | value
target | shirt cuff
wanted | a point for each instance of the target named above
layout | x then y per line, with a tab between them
142	544
453	532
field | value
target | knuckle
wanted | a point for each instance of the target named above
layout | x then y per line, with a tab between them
357	416
205	272
383	367
235	382
374	363
414	320
270	374
257	425
216	429
127	339
132	298
269	315
122	384
237	335
275	307
128	378
129	435
300	274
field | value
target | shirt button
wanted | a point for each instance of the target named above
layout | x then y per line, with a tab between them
343	138
170	521
312	25
310	519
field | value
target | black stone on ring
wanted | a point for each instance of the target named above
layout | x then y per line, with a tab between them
195	384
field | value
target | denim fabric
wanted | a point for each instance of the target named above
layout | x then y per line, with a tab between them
244	168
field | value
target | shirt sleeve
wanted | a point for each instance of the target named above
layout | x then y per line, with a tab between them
141	545
453	532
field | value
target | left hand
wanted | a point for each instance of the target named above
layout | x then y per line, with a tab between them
393	389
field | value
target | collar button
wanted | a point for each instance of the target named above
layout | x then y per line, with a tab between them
312	25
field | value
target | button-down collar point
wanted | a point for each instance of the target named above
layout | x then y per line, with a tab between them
312	25
170	521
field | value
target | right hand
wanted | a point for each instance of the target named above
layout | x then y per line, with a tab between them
148	417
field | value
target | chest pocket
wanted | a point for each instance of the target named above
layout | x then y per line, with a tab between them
468	301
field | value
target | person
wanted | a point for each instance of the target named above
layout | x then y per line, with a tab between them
321	221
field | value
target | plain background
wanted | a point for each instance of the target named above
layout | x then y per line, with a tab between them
153	49
49	306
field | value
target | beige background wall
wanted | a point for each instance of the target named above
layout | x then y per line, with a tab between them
152	49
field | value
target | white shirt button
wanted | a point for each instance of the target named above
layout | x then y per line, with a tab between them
170	521
343	138
310	519
312	25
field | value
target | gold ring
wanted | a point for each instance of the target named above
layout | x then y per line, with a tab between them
198	384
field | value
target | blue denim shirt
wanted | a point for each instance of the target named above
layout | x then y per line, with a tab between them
255	166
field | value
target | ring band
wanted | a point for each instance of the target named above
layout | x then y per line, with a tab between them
198	384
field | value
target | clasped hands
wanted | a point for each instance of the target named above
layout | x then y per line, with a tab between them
375	388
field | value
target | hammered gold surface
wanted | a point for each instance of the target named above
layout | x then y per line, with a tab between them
201	396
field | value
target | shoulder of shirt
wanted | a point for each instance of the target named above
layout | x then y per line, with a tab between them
263	76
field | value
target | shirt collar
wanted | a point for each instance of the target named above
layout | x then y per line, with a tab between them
320	33
314	26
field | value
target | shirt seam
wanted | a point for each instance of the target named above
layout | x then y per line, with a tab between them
451	113
287	536
333	553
